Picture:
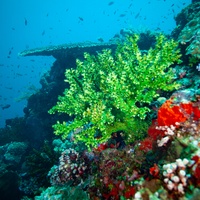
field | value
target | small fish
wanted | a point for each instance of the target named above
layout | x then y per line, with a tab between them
43	33
9	88
100	39
137	15
172	5
130	5
111	3
80	18
5	106
122	15
13	29
25	21
157	29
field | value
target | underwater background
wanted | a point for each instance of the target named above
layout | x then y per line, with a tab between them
100	99
58	22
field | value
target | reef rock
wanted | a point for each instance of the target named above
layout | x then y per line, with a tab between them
15	151
62	52
188	29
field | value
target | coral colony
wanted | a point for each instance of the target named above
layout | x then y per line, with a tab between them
72	167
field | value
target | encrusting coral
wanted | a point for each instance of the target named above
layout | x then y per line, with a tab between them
188	30
112	88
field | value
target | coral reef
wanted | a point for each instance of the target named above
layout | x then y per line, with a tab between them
150	168
142	146
188	30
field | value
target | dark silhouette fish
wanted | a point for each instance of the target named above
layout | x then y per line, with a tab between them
80	18
111	3
100	40
136	16
25	21
5	106
122	15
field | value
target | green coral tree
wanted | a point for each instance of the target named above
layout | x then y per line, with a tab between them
109	90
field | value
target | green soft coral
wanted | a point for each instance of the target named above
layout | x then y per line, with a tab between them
107	89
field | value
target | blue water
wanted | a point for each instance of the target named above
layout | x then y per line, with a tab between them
37	23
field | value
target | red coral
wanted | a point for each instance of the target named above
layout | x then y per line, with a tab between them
146	145
196	159
114	190
186	108
196	112
196	169
154	171
153	132
101	147
130	192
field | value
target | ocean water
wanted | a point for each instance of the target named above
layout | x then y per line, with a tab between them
33	23
121	141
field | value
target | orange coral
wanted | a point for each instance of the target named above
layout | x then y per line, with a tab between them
169	114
